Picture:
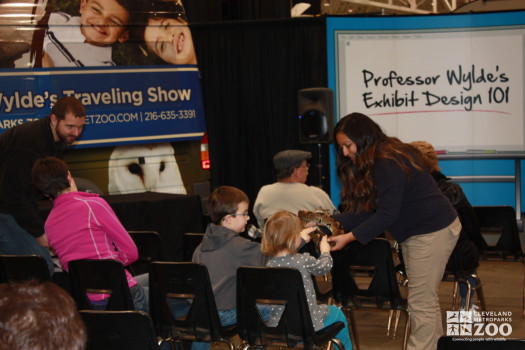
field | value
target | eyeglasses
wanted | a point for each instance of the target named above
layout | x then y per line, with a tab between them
243	214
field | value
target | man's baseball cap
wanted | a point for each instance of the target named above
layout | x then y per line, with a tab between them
290	158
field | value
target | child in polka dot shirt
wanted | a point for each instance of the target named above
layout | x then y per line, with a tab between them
280	241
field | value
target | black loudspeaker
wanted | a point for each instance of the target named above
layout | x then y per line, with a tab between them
316	115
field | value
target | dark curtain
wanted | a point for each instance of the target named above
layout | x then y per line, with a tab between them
251	73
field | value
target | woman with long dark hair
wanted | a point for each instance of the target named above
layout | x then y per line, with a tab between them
388	180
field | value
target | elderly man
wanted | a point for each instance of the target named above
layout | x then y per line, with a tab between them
21	228
290	192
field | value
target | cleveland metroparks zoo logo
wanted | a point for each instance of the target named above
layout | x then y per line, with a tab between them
479	323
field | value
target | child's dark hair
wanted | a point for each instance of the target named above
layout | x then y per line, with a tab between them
155	9
224	201
49	176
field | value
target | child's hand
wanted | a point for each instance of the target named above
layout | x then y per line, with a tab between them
310	224
324	245
305	233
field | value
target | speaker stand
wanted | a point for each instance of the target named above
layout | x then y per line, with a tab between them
319	166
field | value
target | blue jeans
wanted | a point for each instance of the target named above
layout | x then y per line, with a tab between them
227	318
335	314
140	292
139	295
463	291
17	241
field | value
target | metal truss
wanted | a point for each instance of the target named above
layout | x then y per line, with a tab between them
340	7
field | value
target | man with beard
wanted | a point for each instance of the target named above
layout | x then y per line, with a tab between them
21	228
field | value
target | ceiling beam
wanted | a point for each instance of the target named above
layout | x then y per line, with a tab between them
410	7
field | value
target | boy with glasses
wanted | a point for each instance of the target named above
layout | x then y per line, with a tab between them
223	250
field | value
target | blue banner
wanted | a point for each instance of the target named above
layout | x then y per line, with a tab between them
123	104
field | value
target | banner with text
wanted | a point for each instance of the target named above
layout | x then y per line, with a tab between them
124	105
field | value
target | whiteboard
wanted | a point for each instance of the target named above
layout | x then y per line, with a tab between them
457	88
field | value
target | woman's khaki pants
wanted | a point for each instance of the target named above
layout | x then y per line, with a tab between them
425	257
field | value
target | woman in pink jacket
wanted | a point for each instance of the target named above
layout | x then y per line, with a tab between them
83	226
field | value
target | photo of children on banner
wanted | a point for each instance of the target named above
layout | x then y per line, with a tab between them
86	40
82	33
167	37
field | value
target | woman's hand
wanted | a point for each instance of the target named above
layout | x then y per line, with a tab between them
340	241
305	233
324	246
42	241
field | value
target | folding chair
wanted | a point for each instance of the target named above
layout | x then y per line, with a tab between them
501	220
278	286
148	244
101	277
458	275
23	267
364	278
323	288
110	330
190	242
182	304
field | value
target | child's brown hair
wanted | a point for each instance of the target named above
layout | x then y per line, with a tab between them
224	201
280	233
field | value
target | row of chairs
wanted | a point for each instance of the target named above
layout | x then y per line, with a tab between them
135	330
182	306
171	282
149	247
399	306
367	280
148	244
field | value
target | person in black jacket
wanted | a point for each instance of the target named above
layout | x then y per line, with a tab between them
388	180
21	228
465	256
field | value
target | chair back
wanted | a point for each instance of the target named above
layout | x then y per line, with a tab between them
182	301
23	267
454	269
190	242
109	330
276	288
501	220
323	288
100	276
148	244
364	275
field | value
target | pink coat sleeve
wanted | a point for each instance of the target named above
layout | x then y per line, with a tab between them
127	252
